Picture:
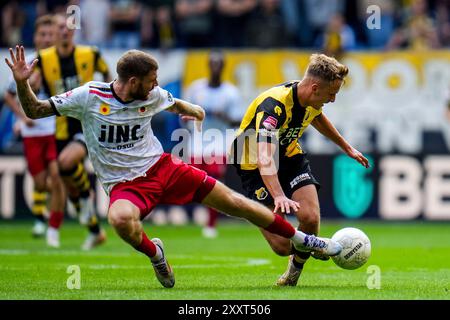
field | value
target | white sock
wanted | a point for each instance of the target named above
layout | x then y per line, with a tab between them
158	256
298	238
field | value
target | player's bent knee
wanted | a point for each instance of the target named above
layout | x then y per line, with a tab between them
119	216
310	221
65	164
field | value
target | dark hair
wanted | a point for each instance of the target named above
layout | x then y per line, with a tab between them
135	63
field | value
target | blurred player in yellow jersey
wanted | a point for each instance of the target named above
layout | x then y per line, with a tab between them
269	132
39	138
64	67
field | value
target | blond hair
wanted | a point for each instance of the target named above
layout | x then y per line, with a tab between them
326	68
45	20
135	63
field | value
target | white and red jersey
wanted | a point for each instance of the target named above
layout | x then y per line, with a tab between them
118	135
42	127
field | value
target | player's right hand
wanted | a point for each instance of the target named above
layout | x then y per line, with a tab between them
284	204
19	67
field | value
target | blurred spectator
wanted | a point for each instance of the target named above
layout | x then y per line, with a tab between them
157	28
224	110
232	20
13	19
56	6
195	24
337	38
297	22
443	21
266	28
377	38
94	22
418	31
319	13
125	24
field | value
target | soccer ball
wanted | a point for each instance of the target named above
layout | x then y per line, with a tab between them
355	248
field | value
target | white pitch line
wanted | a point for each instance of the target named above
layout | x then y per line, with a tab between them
13	252
246	263
55	252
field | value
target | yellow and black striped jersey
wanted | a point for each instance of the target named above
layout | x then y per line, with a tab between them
61	74
275	116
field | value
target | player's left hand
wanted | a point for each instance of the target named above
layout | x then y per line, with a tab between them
19	67
358	156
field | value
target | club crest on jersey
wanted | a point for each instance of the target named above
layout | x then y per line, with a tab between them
261	193
270	123
104	109
278	110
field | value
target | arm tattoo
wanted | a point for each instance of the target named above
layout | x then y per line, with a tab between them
186	108
33	107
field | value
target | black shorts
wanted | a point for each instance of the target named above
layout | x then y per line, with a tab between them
293	174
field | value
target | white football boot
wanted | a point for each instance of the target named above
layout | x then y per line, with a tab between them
53	237
323	246
93	240
163	270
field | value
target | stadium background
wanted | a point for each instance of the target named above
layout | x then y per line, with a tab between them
393	106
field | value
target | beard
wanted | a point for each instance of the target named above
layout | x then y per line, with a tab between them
140	93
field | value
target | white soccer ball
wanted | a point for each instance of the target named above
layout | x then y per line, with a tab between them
356	248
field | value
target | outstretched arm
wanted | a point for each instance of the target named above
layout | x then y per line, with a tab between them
188	111
326	128
33	107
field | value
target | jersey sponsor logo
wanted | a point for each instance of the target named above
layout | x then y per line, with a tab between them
291	135
270	123
278	110
68	93
261	193
299	178
104	109
118	134
267	133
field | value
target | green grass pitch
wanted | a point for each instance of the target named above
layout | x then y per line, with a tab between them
413	259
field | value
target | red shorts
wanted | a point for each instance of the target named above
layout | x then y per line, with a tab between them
39	152
166	182
214	168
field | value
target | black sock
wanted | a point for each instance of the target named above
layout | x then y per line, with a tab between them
302	255
94	228
40	218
